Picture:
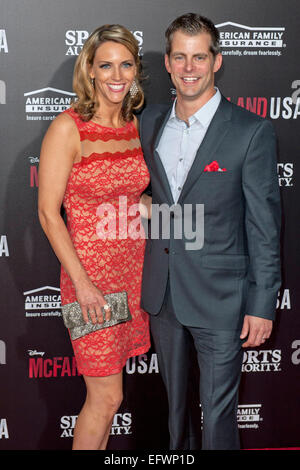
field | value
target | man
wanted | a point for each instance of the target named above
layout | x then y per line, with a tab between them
222	294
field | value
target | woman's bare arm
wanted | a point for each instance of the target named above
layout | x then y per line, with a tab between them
60	147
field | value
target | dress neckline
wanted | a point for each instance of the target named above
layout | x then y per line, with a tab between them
110	128
74	113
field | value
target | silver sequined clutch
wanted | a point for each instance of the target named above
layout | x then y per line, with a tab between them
73	318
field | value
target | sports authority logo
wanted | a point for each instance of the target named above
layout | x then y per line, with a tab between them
262	361
46	103
75	39
121	425
248	416
238	39
285	175
67	425
42	302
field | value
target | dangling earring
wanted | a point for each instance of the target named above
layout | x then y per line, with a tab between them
133	89
92	81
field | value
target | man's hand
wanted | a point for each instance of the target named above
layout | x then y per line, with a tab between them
257	329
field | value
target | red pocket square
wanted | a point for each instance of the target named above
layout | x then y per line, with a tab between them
214	166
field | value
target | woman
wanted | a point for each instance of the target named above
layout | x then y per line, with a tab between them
91	158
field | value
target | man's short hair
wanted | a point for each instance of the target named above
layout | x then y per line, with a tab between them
193	24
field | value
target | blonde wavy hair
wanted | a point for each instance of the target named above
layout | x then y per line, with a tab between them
86	103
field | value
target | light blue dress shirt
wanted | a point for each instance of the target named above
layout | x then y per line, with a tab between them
179	142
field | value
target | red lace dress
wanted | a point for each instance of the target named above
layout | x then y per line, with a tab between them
101	203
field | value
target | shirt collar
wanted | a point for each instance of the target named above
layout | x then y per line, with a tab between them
205	114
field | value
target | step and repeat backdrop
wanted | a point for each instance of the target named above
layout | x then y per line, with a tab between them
41	392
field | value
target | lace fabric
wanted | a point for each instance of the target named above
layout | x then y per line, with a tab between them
101	204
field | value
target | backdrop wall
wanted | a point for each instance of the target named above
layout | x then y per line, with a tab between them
41	392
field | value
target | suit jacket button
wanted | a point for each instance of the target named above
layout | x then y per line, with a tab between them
166	250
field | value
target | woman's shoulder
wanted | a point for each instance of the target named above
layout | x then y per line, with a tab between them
65	122
62	129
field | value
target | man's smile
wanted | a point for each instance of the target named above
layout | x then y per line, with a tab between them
190	80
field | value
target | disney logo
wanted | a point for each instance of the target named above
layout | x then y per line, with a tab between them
34	352
34	159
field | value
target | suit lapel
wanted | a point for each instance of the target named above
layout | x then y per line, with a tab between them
160	170
216	132
160	126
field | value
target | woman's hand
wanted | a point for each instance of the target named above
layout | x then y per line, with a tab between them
145	206
91	301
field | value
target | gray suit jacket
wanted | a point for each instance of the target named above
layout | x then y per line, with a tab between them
237	271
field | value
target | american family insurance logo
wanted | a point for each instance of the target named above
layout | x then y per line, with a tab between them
46	103
238	39
43	302
249	416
